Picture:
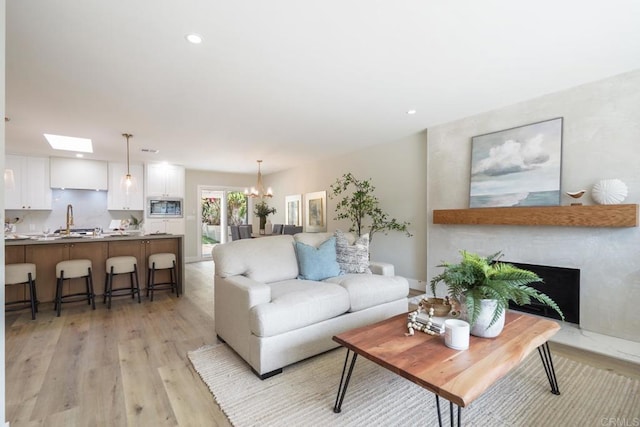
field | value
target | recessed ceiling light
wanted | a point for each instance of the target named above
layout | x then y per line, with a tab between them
194	38
79	155
69	143
411	112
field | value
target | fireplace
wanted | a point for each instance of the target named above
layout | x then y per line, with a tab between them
561	284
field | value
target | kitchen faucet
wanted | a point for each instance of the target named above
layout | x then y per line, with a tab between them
69	218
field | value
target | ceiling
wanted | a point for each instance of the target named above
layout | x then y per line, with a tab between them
289	81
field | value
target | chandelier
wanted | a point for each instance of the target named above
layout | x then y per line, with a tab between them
128	182
258	190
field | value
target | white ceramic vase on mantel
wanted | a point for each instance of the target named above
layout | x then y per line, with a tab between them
480	328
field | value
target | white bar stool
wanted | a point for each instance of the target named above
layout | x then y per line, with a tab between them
22	274
74	269
162	261
121	265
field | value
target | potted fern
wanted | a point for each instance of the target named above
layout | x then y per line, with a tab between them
484	286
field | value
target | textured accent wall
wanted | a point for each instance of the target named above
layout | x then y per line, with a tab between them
601	140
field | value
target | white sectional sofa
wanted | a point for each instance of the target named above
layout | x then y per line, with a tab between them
271	318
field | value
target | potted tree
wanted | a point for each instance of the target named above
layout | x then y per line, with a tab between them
359	202
262	211
483	286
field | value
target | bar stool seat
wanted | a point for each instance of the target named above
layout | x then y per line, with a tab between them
22	274
74	269
162	261
121	265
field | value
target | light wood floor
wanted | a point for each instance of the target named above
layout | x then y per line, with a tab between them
128	366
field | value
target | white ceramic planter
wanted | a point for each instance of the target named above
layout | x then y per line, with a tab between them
479	329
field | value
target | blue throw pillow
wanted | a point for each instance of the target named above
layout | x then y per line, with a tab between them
317	263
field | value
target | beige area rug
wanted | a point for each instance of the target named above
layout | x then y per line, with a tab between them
304	395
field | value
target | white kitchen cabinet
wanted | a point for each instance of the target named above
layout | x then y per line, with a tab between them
164	180
79	174
117	198
164	225
30	189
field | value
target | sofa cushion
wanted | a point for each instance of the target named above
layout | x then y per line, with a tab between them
268	259
368	290
317	263
296	304
312	239
353	258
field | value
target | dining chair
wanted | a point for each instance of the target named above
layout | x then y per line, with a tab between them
245	231
235	232
292	229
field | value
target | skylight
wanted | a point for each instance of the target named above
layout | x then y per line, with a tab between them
69	143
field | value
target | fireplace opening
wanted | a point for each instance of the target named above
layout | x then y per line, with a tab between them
561	284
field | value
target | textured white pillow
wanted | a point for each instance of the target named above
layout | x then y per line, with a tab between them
352	258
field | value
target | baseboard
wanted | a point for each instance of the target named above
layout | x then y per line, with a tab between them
417	285
598	360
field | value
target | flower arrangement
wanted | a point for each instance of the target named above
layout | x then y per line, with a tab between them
262	211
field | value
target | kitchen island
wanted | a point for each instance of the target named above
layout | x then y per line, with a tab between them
46	253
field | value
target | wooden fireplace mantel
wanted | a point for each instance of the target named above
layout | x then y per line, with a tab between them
567	216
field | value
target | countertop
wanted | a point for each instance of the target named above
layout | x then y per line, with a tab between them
39	240
46	254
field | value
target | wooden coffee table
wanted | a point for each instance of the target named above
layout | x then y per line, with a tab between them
458	376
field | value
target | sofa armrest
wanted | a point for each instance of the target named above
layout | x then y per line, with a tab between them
241	292
233	298
382	268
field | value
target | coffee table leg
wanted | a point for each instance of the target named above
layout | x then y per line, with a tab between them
547	362
451	414
451	418
438	408
344	382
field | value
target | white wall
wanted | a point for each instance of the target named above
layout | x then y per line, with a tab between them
601	140
2	109
398	171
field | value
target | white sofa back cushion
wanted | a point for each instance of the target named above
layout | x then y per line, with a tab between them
312	239
316	239
266	259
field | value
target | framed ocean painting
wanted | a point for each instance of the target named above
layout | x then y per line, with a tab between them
520	166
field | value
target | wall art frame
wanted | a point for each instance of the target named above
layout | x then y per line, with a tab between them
316	211
520	166
293	210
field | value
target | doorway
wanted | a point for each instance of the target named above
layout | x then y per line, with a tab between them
219	208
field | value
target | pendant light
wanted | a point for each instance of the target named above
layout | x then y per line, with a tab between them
258	191
128	182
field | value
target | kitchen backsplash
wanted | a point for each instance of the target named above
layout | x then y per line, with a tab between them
89	211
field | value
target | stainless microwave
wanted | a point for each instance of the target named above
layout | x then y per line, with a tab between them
164	207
